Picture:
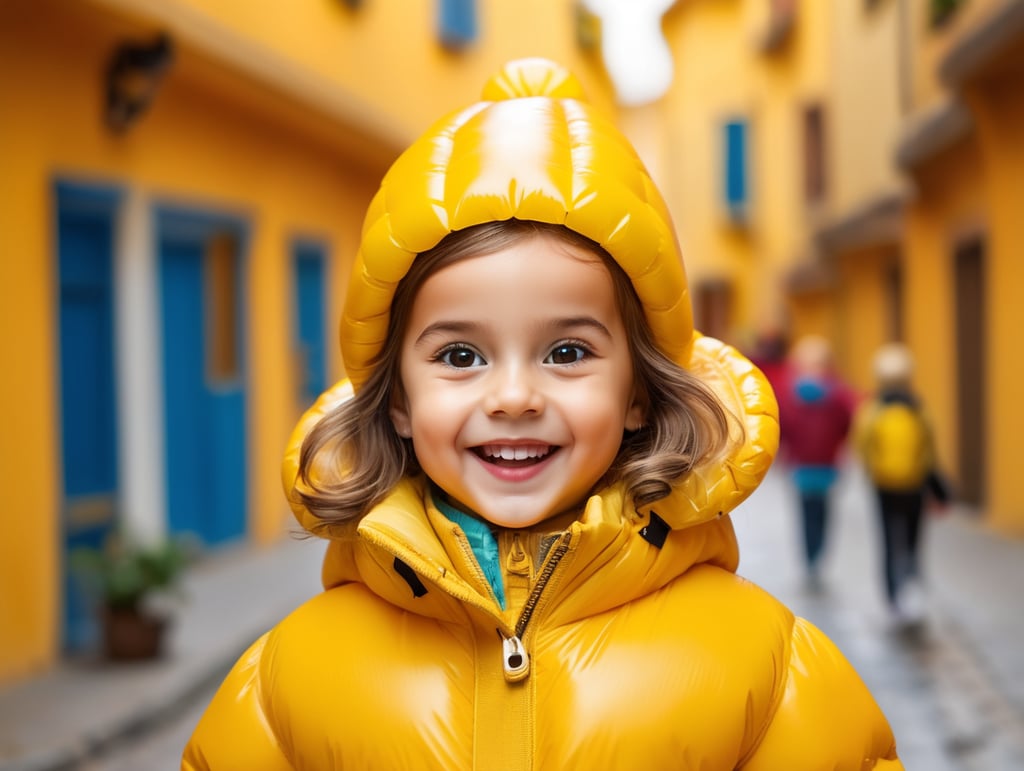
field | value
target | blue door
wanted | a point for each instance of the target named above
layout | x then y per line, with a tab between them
310	321
85	238
200	268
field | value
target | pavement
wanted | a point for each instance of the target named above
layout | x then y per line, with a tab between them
85	708
953	691
952	688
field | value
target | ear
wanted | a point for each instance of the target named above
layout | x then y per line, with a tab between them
636	415
400	417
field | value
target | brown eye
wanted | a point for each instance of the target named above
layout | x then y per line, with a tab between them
460	357
566	354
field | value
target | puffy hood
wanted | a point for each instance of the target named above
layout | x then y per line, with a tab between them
533	149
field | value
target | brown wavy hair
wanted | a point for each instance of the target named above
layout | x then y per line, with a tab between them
353	458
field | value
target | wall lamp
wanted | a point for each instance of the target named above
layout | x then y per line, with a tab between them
133	77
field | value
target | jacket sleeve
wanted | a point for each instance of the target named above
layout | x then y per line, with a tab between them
234	732
826	717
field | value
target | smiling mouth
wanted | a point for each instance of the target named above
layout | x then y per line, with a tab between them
515	456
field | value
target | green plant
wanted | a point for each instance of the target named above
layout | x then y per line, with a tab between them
943	10
123	573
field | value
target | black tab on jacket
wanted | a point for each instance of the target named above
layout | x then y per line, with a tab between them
656	531
406	572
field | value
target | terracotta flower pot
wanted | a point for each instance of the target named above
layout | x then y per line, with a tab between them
130	635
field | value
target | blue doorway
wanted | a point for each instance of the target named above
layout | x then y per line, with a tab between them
309	321
204	385
88	402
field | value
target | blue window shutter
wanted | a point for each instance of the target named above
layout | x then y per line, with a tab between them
458	22
309	340
736	183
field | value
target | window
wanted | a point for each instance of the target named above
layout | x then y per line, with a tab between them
712	306
893	288
781	21
458	27
736	183
309	346
814	154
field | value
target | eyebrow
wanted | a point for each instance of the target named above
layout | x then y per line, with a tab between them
446	327
574	322
466	327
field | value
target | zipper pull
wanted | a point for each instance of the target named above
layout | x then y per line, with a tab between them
515	659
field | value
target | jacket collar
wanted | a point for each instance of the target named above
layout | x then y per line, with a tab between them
410	554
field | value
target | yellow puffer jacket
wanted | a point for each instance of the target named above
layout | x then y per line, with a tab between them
628	641
640	649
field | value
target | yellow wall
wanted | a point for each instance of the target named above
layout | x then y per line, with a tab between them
284	118
865	100
972	189
998	110
948	208
194	147
28	558
721	72
862	313
384	56
707	89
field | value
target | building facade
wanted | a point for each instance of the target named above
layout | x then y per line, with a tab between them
186	180
183	195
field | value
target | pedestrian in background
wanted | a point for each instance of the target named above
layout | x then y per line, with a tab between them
815	414
894	439
526	486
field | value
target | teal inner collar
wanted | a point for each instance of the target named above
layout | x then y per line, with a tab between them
481	541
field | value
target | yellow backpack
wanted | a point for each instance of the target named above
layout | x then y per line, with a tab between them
897	447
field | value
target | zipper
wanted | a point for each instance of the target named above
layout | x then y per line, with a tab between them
471	560
516	661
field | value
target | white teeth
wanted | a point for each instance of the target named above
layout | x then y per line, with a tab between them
519	452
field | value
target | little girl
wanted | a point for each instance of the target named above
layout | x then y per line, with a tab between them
524	483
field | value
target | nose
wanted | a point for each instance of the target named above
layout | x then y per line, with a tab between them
513	392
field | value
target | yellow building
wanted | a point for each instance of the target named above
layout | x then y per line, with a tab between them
183	191
745	124
924	236
852	169
964	234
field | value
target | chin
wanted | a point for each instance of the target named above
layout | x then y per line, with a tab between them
516	521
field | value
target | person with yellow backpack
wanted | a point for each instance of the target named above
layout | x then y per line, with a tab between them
894	439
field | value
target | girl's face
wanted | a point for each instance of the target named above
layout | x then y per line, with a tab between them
517	380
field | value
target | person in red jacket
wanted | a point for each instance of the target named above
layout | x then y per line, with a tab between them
815	414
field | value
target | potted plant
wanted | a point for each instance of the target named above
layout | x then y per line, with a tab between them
134	584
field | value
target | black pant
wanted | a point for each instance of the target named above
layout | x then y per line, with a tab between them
814	511
901	530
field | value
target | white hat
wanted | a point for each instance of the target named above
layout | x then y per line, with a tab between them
893	363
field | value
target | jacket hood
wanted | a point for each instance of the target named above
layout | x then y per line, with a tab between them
533	149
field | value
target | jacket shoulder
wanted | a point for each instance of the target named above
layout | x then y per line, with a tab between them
827	717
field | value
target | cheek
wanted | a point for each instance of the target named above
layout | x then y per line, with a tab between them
435	412
598	417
